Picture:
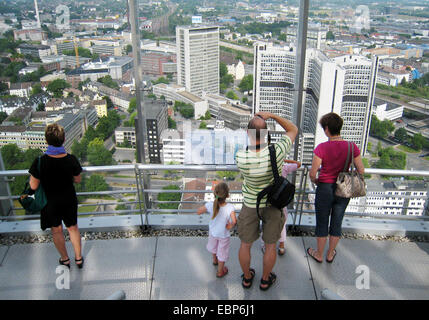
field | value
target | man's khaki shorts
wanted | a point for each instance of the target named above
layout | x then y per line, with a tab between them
273	221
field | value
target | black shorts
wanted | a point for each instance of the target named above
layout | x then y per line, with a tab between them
53	215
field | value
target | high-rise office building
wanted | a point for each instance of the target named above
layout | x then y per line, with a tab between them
198	58
345	85
357	83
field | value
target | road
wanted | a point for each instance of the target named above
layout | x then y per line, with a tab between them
124	154
405	104
108	144
236	47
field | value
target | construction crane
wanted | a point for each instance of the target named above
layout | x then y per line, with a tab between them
76	50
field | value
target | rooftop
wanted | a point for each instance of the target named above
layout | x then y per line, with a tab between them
190	96
390	105
174	264
142	268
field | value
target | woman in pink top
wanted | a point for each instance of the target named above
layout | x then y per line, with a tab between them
331	157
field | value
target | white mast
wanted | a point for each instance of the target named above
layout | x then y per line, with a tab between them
37	14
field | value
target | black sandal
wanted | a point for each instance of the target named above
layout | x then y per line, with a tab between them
248	282
333	257
79	265
271	280
63	263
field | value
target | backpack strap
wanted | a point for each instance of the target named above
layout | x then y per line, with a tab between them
262	194
274	168
273	160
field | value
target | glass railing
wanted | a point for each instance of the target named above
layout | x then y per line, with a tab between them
142	184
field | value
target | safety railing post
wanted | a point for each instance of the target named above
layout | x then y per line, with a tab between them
303	192
139	193
300	197
146	200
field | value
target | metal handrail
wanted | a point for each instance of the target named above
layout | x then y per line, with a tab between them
156	167
144	208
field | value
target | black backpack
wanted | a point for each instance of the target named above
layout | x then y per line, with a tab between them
281	192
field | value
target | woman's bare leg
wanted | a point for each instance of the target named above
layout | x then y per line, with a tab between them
76	241
333	242
60	241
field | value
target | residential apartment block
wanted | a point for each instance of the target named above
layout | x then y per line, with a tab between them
198	58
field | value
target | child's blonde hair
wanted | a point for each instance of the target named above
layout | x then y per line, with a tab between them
221	192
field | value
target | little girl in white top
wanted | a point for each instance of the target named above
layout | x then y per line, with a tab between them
222	220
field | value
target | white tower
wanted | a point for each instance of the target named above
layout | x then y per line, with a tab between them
37	14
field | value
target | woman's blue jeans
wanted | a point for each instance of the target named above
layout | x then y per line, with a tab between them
328	205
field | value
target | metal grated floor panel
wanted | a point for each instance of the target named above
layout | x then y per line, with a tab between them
29	271
3	252
185	271
180	268
396	270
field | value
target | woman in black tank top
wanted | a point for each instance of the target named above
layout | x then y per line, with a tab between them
57	175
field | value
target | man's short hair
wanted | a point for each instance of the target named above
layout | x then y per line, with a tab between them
255	124
333	122
55	135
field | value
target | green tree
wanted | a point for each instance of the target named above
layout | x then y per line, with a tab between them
16	159
83	52
391	159
228	175
36	89
207	115
98	155
330	35
79	149
186	110
246	83
132	106
95	183
402	135
161	80
203	125
223	70
82	83
227	80
282	37
57	87
3	86
106	125
418	141
231	95
171	123
164	196
11	155
108	82
40	107
379	128
3	115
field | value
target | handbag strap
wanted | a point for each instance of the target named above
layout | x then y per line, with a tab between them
38	167
352	166
346	165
